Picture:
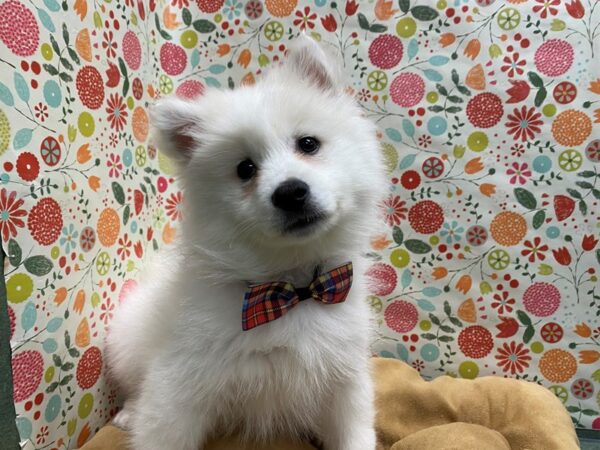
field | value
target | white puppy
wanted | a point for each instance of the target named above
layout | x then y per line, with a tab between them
280	178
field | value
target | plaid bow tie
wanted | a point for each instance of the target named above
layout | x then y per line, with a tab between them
269	301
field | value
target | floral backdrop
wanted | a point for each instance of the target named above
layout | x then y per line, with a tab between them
489	119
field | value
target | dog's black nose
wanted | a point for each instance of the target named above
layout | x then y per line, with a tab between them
291	195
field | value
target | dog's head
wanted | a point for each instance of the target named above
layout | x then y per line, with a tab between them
285	165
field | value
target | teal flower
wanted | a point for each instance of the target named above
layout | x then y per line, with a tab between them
452	232
232	9
69	238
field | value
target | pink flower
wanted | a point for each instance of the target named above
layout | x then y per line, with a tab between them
117	112
395	210
546	6
114	165
519	172
306	19
502	303
513	358
513	65
11	214
524	123
109	44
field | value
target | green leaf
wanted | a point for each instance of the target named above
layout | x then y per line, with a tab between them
66	380
523	317
50	69
52	387
596	193
397	235
455	321
455	99
436	108
67	366
74	352
363	22
447	329
417	247
73	55
573	409
584	184
65	33
447	309
38	265
583	207
445	338
464	90
538	219
162	32
455	78
125	86
589	412
186	16
575	194
67	339
404	5
540	96
535	79
525	198
428	336
441	89
204	26
14	253
434	320
126	212
66	64
587	174
118	193
598	255
424	13
529	332
377	28
453	109
57	361
65	77
55	46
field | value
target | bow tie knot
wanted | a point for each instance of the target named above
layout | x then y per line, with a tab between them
266	302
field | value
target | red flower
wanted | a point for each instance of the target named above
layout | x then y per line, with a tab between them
575	9
109	44
512	357
149	234
174	206
395	210
513	65
508	327
137	248
524	123
117	112
545	7
329	22
10	214
305	20
519	173
114	165
518	91
351	7
562	256
124	247
503	303
534	249
589	242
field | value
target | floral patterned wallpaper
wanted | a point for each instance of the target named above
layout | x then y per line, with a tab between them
488	114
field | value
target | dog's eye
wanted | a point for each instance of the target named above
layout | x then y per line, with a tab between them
246	169
308	144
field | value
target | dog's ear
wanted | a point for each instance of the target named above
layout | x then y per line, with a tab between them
177	127
310	63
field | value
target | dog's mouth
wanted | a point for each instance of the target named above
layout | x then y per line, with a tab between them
303	224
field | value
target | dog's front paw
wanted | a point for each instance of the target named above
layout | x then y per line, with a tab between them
123	419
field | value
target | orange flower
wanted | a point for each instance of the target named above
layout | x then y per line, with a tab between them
168	234
464	284
384	10
223	49
487	189
248	79
94	182
83	154
84	435
595	86
439	272
244	58
473	166
447	39
379	242
60	295
150	90
597	116
583	330
588	356
79	301
81	8
472	49
170	19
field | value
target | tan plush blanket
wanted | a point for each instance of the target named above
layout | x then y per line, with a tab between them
488	413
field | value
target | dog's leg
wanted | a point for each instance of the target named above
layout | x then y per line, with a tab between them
349	420
167	416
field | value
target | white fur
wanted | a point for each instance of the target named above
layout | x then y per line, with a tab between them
176	346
